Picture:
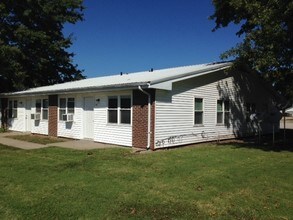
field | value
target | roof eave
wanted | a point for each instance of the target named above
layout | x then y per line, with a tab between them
79	90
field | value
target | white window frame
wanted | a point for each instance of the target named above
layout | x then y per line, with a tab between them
124	109
224	112
41	108
113	109
66	109
45	109
119	109
203	106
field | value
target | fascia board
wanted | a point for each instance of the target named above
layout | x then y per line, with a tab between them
167	85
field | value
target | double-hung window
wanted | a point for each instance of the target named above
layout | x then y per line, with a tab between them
220	112
45	109
113	109
223	112
226	112
39	106
198	111
119	109
12	109
66	106
125	109
42	108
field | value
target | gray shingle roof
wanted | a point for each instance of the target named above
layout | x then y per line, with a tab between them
146	78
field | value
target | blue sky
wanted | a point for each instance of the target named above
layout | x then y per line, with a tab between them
136	35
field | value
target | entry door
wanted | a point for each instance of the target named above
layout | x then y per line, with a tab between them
28	121
88	122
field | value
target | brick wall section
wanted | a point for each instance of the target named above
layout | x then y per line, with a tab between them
4	112
53	115
140	118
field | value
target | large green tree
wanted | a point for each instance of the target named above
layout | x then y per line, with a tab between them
33	48
266	27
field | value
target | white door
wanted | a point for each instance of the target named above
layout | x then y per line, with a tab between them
88	118
28	121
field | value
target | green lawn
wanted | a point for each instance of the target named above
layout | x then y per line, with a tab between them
207	181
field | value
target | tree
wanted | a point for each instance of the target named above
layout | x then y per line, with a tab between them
266	26
33	49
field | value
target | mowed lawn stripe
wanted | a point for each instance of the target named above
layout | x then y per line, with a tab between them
202	182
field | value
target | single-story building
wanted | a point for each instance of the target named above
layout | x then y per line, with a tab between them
152	109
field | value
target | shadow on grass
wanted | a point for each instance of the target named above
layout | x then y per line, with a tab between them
266	142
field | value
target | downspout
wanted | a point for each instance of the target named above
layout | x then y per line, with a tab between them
149	116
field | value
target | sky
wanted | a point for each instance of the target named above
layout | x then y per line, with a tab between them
137	35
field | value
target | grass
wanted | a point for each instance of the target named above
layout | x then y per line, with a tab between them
39	139
209	181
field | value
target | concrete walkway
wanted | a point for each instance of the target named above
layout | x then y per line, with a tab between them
72	144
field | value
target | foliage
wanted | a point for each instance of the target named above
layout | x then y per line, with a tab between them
2	130
208	181
33	49
267	45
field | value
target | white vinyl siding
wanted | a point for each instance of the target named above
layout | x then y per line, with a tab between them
70	104
12	108
198	111
66	106
174	119
113	133
17	122
223	112
39	126
119	109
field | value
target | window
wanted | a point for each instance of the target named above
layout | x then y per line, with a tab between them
42	108
112	110
220	112
70	105
12	109
119	109
66	106
62	108
198	111
45	109
125	110
38	106
227	112
223	112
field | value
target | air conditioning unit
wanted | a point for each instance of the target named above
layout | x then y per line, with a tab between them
67	117
36	116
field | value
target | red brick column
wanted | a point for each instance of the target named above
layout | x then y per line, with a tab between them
140	118
4	112
53	115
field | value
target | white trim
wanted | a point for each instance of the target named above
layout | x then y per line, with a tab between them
119	110
203	110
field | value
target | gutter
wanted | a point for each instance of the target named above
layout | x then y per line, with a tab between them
149	116
90	89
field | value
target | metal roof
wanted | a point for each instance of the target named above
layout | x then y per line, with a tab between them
149	79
